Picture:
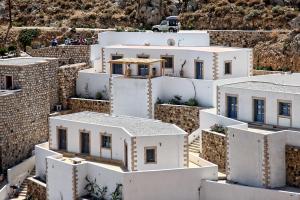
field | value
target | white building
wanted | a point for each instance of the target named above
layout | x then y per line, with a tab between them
186	64
148	157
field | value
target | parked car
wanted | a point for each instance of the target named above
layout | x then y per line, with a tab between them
170	24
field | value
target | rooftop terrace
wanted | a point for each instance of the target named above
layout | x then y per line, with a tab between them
23	61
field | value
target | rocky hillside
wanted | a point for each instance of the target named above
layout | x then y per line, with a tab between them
194	14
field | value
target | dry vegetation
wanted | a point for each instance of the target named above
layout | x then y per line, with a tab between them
195	14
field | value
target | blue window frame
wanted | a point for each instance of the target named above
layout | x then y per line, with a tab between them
232	107
284	109
259	110
117	68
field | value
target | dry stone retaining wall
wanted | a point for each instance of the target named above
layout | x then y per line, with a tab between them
24	112
68	54
265	72
292	159
185	117
78	105
214	148
36	189
67	76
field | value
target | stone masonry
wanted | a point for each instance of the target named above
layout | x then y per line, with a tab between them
66	54
214	148
79	104
292	159
185	117
67	76
24	109
36	189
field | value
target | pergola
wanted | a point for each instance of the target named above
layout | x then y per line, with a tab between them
148	62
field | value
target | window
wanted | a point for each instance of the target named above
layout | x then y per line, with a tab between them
232	107
106	141
150	155
259	110
117	68
228	67
143	69
85	142
169	61
62	138
284	109
8	82
199	69
164	22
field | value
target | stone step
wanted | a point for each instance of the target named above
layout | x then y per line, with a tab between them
194	150
194	145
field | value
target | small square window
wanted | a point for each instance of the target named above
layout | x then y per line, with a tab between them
106	141
150	155
284	109
169	61
228	68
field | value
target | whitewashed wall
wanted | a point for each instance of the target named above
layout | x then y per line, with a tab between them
245	97
17	174
176	184
245	157
211	190
59	179
169	152
196	38
129	97
90	82
41	152
4	192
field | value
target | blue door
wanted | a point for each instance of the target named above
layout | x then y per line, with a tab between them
232	107
199	69
259	110
117	68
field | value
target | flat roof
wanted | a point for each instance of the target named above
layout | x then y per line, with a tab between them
23	61
217	49
265	86
145	61
134	125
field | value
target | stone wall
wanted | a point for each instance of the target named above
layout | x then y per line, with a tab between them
265	72
67	76
292	159
185	117
69	54
36	189
214	148
24	112
78	105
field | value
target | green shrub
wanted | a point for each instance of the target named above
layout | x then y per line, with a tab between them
159	101
277	10
266	68
218	128
192	102
3	51
99	96
176	100
120	29
27	35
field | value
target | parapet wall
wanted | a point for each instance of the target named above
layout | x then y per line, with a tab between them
214	148
185	117
68	54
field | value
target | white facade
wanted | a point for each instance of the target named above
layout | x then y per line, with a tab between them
272	90
66	175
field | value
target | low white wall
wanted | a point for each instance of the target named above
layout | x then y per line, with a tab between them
211	190
89	82
41	152
175	184
4	192
18	173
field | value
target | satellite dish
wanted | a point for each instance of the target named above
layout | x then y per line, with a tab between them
171	42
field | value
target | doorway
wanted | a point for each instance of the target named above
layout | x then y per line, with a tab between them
125	155
259	110
199	69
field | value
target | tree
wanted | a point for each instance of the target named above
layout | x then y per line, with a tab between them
10	20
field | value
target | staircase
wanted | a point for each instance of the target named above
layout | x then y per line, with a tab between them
23	187
194	147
